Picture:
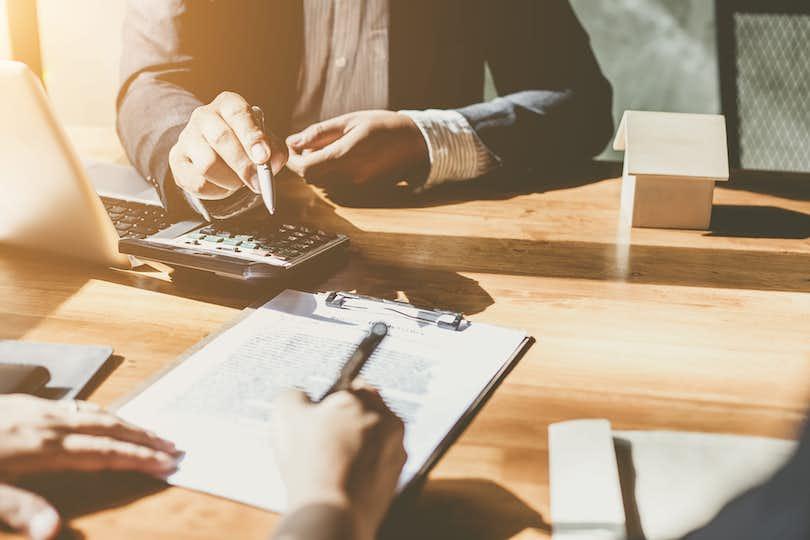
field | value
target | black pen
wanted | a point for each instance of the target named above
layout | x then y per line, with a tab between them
359	357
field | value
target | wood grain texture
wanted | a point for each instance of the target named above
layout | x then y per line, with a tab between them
677	330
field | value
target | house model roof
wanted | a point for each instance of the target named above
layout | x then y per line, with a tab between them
673	144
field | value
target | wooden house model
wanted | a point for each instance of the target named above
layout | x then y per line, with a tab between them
671	164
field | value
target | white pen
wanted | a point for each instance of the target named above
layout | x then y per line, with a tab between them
264	172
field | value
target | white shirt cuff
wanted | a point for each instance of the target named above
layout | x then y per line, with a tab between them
456	152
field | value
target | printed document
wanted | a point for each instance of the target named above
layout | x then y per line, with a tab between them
217	404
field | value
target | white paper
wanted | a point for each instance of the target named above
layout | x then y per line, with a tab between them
675	482
216	405
683	479
120	182
586	497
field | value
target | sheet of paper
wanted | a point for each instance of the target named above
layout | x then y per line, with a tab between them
671	482
683	479
217	404
586	497
120	182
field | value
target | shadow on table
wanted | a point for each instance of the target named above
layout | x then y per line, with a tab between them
658	265
744	221
80	494
431	270
787	185
489	188
472	509
425	287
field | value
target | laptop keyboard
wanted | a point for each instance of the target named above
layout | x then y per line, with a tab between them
134	220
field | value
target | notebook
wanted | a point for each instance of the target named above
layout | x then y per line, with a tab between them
216	403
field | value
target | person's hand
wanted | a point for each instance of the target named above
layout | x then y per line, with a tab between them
38	436
218	150
346	451
360	147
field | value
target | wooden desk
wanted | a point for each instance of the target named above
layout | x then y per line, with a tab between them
680	330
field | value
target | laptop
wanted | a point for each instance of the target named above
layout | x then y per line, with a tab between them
51	201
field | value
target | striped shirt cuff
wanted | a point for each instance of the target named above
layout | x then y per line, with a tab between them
456	152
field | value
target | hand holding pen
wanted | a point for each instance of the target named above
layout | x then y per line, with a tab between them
347	447
219	150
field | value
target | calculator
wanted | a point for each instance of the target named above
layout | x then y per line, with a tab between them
245	249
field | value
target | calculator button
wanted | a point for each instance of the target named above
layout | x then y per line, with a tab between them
131	219
141	228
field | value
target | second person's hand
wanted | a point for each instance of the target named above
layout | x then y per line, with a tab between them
218	150
360	148
40	436
345	452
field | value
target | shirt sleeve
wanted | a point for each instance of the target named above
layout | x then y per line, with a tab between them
456	152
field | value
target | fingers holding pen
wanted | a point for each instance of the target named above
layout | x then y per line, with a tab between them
219	148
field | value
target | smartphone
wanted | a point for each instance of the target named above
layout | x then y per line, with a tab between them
22	379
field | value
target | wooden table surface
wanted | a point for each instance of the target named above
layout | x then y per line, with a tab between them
687	330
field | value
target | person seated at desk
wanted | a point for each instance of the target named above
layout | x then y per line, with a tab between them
777	509
331	74
340	459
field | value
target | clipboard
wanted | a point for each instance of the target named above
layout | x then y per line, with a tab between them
339	300
446	320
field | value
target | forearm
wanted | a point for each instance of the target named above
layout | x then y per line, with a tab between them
151	116
316	522
544	128
160	85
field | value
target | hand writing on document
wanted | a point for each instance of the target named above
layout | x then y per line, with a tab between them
39	436
345	452
360	148
218	150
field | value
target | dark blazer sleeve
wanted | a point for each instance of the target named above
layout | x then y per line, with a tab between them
779	508
555	104
180	54
159	88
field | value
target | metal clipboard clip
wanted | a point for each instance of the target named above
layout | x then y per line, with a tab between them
449	320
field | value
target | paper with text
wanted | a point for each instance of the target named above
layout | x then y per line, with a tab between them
217	404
